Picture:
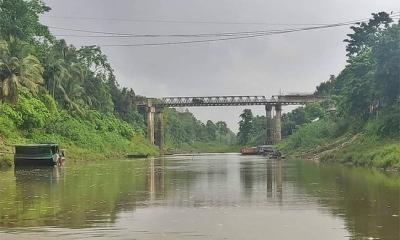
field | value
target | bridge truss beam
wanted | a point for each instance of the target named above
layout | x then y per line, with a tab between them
235	100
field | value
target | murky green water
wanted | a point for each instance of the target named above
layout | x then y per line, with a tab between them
220	196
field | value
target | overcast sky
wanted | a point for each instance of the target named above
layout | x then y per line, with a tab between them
294	62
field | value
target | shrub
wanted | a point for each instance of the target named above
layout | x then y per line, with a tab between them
386	124
7	127
50	103
8	111
309	135
33	112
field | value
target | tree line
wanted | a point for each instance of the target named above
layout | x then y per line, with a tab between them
363	97
359	123
183	128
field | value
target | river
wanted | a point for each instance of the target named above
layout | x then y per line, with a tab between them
207	196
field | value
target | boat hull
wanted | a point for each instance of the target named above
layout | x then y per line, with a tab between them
19	162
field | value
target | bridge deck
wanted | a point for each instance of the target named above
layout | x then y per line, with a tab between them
235	100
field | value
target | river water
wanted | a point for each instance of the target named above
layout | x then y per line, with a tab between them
209	196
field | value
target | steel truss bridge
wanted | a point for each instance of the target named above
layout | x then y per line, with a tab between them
273	124
295	99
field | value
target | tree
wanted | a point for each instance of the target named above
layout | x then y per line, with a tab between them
386	52
325	88
365	34
245	126
358	92
211	130
55	71
20	19
372	74
17	71
64	76
71	88
222	129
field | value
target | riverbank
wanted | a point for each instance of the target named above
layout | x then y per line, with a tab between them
314	141
74	153
91	135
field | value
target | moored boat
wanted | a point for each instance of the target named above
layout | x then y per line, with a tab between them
249	151
137	155
265	150
38	155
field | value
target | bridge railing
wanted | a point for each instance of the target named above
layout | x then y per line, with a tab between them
213	100
235	100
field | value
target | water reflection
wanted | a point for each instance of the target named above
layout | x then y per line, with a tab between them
202	194
156	179
71	197
255	174
367	199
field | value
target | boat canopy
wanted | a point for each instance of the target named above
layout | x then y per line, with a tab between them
36	149
37	154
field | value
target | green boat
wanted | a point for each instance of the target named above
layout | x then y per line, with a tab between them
38	155
137	155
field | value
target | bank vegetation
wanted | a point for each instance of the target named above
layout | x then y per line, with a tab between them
359	124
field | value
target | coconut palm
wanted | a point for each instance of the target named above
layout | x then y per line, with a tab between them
56	72
17	71
64	77
72	88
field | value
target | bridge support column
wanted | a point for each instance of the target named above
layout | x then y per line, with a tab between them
150	123
268	126
160	128
277	125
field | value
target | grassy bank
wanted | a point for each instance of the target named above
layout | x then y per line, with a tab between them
362	151
323	141
90	135
76	153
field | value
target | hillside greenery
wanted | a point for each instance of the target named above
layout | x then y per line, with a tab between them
360	123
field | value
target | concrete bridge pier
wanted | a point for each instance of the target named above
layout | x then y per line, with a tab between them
160	129
150	123
277	125
268	116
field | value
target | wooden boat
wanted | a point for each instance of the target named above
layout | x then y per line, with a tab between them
38	155
249	151
265	150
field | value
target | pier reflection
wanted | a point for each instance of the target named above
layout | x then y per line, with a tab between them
262	176
156	178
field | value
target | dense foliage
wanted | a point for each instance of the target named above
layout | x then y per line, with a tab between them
183	130
52	92
360	122
252	129
78	79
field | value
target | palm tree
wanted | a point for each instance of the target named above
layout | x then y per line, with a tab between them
56	72
72	87
17	71
64	77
